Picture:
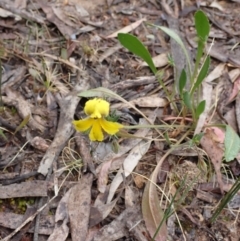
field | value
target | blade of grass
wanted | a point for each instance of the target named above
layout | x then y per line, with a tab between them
227	198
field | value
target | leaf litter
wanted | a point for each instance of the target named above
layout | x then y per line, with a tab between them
52	51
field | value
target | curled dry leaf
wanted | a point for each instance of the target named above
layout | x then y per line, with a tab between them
152	213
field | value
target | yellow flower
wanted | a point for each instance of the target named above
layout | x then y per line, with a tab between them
97	109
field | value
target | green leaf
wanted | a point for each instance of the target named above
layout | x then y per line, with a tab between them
187	100
134	45
200	108
202	25
202	74
231	143
175	36
182	81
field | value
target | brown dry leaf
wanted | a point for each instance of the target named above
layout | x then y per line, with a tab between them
79	205
100	211
109	156
217	5
66	31
152	212
61	228
127	29
215	153
129	163
117	228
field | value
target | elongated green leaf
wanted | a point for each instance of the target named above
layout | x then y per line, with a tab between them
202	25
182	81
175	36
231	143
202	74
200	108
134	45
187	100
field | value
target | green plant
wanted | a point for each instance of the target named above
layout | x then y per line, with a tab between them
188	96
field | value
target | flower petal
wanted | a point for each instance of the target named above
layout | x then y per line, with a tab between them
97	108
110	127
83	125
96	133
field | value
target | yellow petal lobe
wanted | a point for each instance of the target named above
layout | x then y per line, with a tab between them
110	127
96	133
83	125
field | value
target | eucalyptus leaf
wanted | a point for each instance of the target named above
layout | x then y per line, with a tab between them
134	45
231	144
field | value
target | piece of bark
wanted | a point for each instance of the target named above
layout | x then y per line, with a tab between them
26	189
79	204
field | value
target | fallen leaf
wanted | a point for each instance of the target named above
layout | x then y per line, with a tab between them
129	164
152	212
159	60
79	205
127	29
61	228
215	154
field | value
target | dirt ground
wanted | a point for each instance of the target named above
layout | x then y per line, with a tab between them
55	183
